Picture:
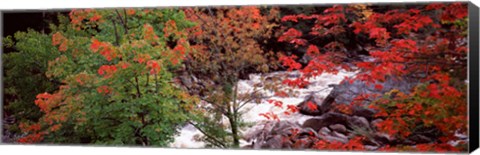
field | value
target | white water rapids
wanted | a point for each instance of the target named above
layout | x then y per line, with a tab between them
251	111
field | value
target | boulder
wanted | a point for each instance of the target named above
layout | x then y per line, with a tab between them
324	131
338	128
358	122
303	143
273	134
363	112
325	120
423	135
339	135
331	138
419	139
274	142
370	147
347	91
321	108
382	138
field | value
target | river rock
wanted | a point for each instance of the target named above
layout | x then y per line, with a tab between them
325	120
303	143
419	139
274	142
305	110
382	138
370	147
346	91
324	131
422	135
339	135
338	128
331	138
358	122
273	134
363	112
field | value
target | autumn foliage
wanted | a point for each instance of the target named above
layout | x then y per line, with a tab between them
227	44
113	72
134	76
427	43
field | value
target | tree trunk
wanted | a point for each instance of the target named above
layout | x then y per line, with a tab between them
234	126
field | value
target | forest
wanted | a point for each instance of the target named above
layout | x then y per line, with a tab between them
355	77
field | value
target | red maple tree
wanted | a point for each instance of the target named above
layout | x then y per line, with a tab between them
426	42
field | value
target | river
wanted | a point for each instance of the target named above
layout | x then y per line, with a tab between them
251	111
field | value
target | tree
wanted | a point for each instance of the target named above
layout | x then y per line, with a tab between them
227	44
423	42
114	68
24	69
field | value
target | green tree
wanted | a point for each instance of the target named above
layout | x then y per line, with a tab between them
115	69
24	74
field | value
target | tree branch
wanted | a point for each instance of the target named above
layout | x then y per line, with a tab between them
117	38
122	21
208	136
137	85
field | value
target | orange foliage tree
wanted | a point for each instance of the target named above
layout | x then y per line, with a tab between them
227	43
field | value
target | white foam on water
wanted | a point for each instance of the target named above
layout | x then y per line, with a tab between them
186	138
252	110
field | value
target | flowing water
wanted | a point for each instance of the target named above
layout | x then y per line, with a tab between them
251	111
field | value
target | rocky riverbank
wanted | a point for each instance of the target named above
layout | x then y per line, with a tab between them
303	129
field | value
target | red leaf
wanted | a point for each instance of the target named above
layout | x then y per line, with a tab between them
292	108
313	50
312	106
290	35
95	45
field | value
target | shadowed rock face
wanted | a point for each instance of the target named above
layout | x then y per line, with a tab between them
325	120
330	126
345	92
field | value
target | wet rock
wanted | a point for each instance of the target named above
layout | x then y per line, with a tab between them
303	143
282	135
339	135
306	110
431	132
293	75
382	138
346	91
325	120
370	147
331	138
272	134
358	122
307	132
338	128
324	131
405	142
274	142
419	139
422	135
363	112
